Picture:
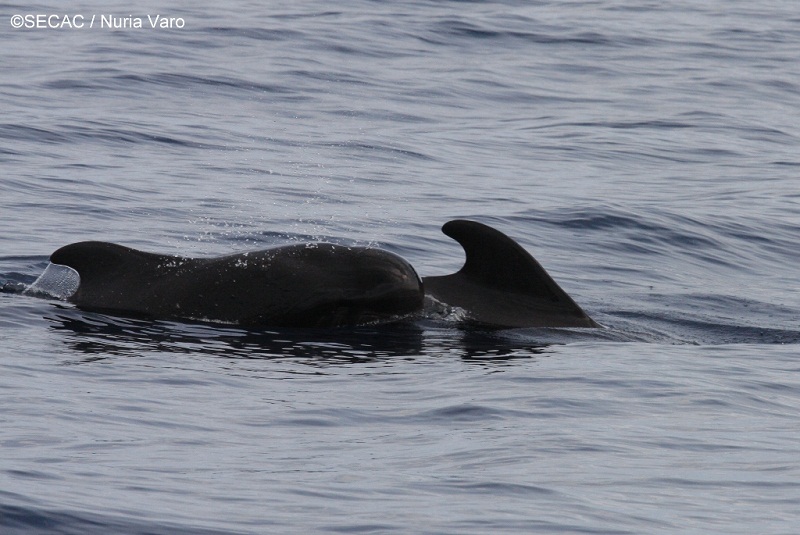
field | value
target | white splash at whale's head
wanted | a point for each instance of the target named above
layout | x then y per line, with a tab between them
55	281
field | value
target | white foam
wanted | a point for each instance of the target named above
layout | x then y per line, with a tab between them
56	281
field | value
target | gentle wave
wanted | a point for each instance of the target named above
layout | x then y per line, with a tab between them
26	520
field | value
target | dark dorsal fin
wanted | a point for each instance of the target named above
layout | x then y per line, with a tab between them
496	261
502	284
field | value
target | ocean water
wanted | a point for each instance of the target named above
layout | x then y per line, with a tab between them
646	153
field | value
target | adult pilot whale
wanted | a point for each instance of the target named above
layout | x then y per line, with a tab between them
321	284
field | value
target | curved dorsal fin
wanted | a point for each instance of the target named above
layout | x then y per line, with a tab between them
497	261
502	284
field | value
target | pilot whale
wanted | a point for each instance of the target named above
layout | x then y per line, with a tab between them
321	284
501	284
303	285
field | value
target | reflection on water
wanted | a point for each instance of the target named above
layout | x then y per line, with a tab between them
99	337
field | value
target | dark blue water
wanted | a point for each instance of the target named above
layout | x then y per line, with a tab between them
645	152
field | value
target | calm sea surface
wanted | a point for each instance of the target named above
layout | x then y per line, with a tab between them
647	153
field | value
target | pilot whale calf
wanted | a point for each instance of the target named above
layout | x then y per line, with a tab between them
304	285
322	284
